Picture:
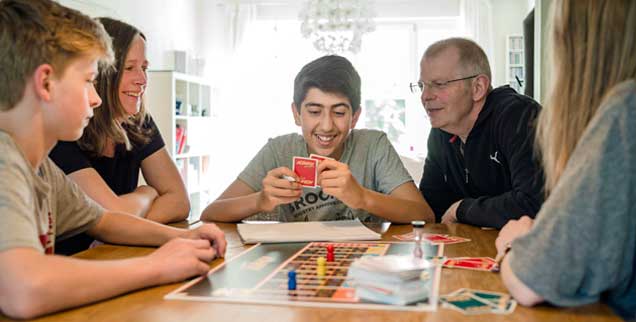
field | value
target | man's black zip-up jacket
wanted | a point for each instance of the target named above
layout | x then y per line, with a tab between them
498	177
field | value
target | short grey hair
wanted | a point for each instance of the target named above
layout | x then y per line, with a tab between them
472	58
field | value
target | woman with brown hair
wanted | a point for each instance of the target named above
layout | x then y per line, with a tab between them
120	140
582	246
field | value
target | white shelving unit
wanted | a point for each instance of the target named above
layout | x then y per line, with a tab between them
180	104
515	67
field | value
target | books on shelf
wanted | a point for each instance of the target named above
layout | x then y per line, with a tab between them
180	139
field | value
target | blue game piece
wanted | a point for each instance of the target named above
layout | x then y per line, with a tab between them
291	282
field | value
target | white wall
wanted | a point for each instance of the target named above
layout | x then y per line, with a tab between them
168	24
541	50
508	18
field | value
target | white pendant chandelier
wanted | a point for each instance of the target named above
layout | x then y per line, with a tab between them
336	26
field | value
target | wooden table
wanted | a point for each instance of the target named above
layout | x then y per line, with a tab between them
148	304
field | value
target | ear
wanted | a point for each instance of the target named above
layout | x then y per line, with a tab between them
296	113
480	87
43	81
355	118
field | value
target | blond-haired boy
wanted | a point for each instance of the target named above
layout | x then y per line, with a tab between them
49	58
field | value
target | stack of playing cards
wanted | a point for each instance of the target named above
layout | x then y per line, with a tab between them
470	301
307	169
392	279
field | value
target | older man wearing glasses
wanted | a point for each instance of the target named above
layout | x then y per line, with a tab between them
480	168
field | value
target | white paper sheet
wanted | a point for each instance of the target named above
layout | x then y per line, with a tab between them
306	232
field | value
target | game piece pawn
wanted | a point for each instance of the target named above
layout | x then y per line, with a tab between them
320	266
330	255
418	230
291	281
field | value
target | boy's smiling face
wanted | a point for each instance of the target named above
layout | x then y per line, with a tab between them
325	119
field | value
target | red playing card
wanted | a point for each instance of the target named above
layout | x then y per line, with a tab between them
479	265
306	169
436	238
444	239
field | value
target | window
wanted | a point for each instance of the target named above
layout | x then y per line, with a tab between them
259	89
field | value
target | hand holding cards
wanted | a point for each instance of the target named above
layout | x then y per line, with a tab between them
279	187
335	179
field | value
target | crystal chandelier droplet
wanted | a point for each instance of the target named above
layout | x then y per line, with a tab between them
336	26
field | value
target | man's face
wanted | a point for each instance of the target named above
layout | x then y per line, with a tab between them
73	98
325	119
447	106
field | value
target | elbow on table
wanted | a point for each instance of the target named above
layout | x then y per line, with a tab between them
179	211
26	300
214	213
520	291
208	214
527	299
183	210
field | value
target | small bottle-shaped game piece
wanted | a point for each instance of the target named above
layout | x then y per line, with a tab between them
330	255
320	266
418	230
291	280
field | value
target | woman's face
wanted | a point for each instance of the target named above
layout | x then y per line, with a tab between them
134	77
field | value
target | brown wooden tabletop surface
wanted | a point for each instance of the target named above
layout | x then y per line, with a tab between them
149	305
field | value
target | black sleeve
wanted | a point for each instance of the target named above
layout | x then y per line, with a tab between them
515	132
156	141
69	157
433	185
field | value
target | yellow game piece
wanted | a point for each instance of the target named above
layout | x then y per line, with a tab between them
320	266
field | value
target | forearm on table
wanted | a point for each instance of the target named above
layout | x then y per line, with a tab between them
135	203
495	211
47	284
120	228
232	209
395	209
169	207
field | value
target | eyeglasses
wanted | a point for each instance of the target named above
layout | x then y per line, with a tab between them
435	85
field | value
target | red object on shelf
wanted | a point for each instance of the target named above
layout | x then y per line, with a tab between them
180	139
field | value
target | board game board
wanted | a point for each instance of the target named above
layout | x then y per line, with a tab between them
259	275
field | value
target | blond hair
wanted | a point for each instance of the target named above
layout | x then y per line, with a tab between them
36	32
472	58
594	48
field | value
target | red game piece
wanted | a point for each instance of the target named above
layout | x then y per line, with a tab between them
330	255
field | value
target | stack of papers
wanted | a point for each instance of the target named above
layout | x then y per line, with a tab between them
306	232
392	279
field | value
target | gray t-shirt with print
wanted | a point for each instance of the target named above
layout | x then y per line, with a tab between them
371	158
36	206
582	247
